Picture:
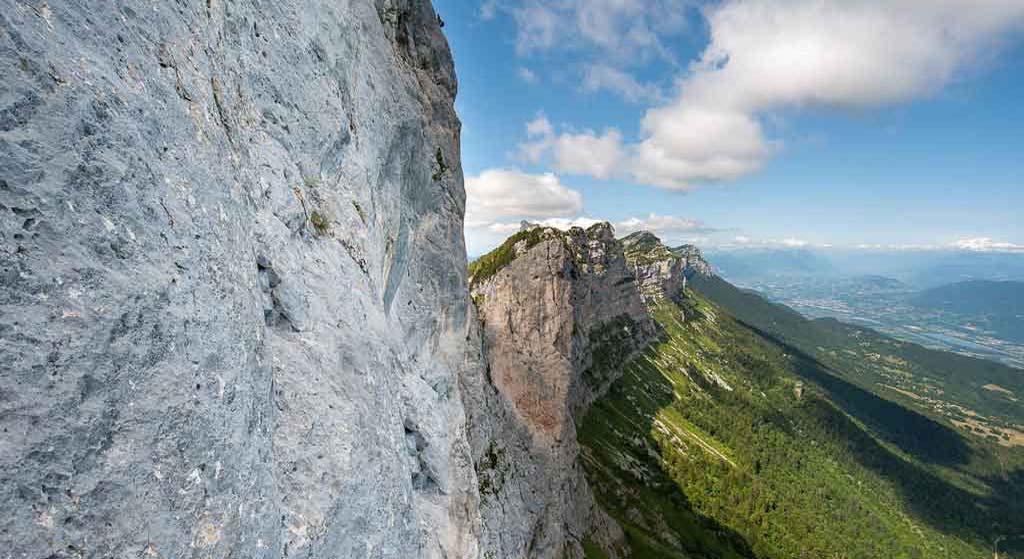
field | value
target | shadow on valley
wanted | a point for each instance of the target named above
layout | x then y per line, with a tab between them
1010	489
708	446
947	507
659	520
919	436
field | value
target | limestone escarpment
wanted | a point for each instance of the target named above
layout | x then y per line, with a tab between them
693	259
542	297
537	313
234	315
661	270
233	308
560	313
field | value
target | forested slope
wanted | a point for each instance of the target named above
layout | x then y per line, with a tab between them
727	439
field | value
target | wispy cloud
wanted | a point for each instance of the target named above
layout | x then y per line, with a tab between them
580	153
986	244
664	225
974	244
488	9
527	75
749	242
601	77
624	31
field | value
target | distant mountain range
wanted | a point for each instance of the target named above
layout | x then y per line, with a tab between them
970	303
749	264
997	306
975	297
919	269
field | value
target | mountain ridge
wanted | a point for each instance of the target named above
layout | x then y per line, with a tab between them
926	452
560	311
237	321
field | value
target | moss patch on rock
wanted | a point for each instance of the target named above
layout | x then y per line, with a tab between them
486	266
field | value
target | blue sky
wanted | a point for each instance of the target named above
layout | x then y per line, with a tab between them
745	123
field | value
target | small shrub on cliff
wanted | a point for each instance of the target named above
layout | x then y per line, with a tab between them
320	223
442	168
491	263
359	211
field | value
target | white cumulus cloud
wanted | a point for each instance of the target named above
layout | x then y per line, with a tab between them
986	244
503	193
580	153
587	153
498	199
766	56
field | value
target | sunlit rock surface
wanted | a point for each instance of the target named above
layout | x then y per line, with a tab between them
233	307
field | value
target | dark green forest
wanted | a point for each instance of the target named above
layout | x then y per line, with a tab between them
749	431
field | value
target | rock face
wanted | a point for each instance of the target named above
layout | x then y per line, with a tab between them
538	312
561	312
693	259
660	270
233	302
234	309
542	311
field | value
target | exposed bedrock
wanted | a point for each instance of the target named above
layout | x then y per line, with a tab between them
233	303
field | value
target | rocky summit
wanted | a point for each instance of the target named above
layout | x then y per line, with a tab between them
560	313
661	271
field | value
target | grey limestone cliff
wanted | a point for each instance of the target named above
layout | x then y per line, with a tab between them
693	259
661	270
235	318
233	303
560	313
544	299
